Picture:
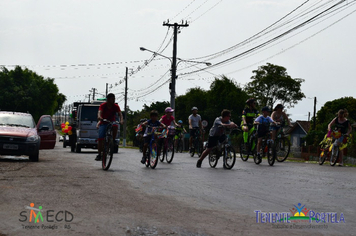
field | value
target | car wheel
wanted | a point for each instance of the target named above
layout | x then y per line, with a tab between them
34	157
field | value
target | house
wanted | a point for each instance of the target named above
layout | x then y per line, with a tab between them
299	130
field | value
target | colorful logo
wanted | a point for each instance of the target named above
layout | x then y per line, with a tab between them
299	214
33	213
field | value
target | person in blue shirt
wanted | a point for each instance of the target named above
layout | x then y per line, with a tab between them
263	122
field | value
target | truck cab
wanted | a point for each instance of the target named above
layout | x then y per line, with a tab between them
85	133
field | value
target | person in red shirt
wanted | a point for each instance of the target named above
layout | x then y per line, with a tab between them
109	111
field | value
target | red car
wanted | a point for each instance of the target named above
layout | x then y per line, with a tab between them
19	134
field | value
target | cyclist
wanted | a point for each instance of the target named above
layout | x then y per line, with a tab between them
279	116
216	133
168	119
140	130
179	132
108	110
248	116
263	122
194	123
152	122
343	126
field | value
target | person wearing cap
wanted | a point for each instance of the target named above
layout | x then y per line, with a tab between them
108	110
194	124
263	122
279	116
248	116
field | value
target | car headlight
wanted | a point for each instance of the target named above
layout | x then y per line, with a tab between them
33	138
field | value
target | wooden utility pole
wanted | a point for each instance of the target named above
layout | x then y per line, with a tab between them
314	116
106	91
125	119
172	85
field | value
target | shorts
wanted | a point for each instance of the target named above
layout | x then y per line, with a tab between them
262	132
147	139
102	131
213	140
193	132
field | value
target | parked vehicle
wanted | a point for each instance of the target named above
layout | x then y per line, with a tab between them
85	133
19	134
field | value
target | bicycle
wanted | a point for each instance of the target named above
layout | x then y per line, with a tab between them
325	149
268	148
330	145
282	144
197	144
168	145
152	150
223	149
247	148
179	141
108	149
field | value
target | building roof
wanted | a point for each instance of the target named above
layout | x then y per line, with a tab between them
303	124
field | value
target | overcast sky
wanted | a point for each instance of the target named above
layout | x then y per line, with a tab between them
85	44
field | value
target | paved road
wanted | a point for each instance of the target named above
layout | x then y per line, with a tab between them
176	198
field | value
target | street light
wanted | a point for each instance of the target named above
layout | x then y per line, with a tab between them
174	70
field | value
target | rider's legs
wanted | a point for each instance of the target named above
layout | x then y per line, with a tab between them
212	142
102	130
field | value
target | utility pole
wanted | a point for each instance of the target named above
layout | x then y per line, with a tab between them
125	119
172	85
93	93
106	91
314	118
89	97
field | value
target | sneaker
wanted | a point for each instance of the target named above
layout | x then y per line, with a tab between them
143	160
98	158
199	163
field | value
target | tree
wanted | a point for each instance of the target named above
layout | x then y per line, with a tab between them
25	91
271	84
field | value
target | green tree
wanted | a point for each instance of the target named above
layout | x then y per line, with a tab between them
25	91
271	84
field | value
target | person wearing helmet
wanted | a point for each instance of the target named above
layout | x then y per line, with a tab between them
179	132
248	116
194	125
279	116
168	118
263	122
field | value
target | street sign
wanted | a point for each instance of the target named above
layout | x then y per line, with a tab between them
204	123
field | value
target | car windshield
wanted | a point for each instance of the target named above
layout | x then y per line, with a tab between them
16	120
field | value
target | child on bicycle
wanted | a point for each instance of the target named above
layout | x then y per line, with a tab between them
216	133
263	122
179	131
152	122
343	126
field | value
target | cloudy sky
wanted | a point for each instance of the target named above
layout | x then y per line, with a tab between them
84	44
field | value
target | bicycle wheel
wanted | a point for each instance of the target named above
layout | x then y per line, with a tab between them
229	157
282	149
147	163
323	154
180	146
257	159
244	150
213	158
271	153
200	148
334	155
170	150
107	154
163	152
153	156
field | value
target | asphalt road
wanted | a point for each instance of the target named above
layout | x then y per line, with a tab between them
78	198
